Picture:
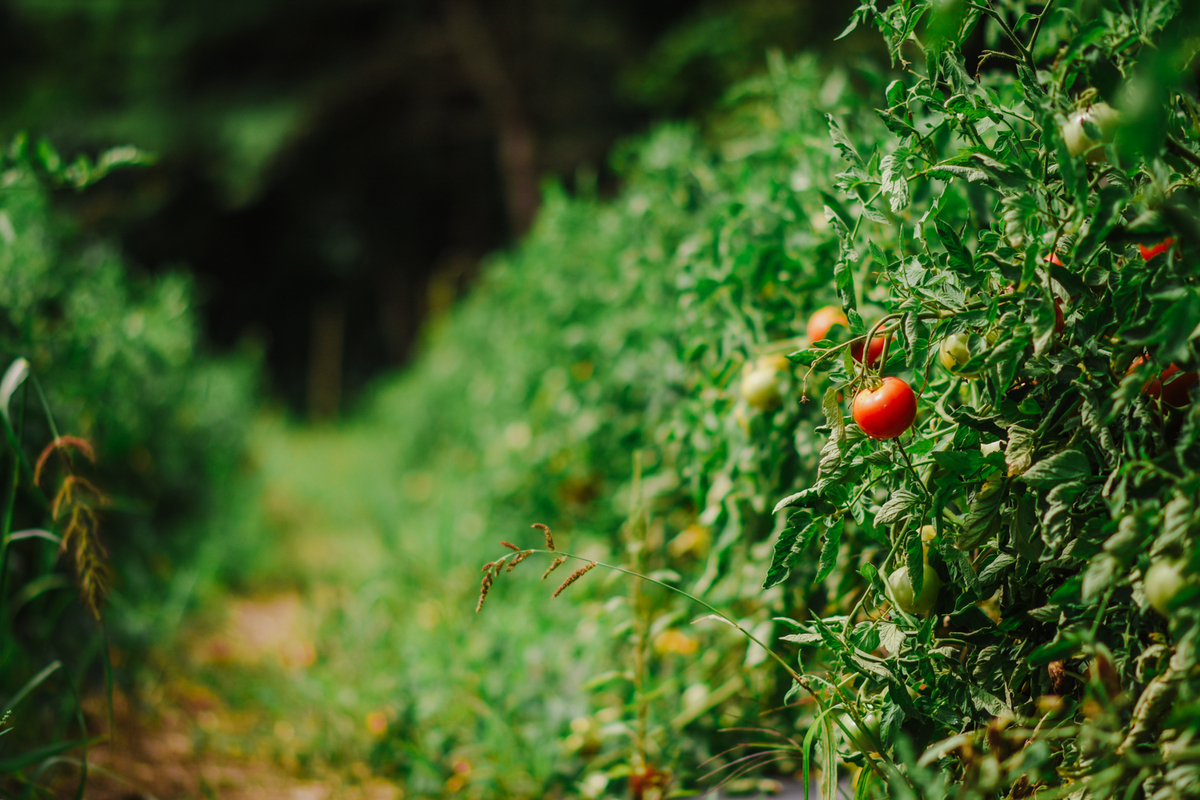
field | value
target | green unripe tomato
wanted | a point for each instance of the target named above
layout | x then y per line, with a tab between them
901	591
864	738
1162	582
762	381
1104	117
761	389
954	351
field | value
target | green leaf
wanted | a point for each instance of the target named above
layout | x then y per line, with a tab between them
843	279
1018	455
895	185
31	757
29	686
896	507
832	409
1105	217
949	172
915	561
960	256
984	516
14	376
792	541
842	142
829	551
1060	468
1099	576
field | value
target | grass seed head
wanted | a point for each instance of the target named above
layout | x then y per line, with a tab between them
558	562
574	576
549	536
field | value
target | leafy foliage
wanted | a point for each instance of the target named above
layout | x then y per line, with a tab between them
134	426
1047	485
1053	480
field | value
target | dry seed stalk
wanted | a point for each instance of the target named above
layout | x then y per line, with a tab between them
558	562
518	558
76	507
549	536
490	571
574	576
510	545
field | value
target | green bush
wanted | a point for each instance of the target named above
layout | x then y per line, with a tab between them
1053	482
113	361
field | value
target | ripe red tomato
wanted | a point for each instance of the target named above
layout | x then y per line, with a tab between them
886	411
873	352
1173	385
1155	249
823	320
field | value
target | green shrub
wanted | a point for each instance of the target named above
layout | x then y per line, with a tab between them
114	366
1042	666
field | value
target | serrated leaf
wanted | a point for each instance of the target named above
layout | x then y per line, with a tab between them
895	508
891	637
803	638
1018	455
871	666
984	515
832	409
986	701
916	340
842	142
829	550
952	171
873	214
996	569
960	256
895	185
843	281
792	542
1060	468
1105	217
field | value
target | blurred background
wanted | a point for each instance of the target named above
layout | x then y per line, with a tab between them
334	171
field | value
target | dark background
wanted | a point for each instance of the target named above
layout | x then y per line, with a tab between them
333	171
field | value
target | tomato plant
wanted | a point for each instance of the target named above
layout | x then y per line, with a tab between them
956	211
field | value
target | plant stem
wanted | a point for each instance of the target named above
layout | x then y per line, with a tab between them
911	468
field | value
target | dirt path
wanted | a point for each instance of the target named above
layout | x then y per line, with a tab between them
180	740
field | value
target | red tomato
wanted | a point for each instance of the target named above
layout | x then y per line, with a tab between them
1154	249
886	411
823	320
873	352
1173	385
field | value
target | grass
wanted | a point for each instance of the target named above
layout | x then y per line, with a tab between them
353	637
